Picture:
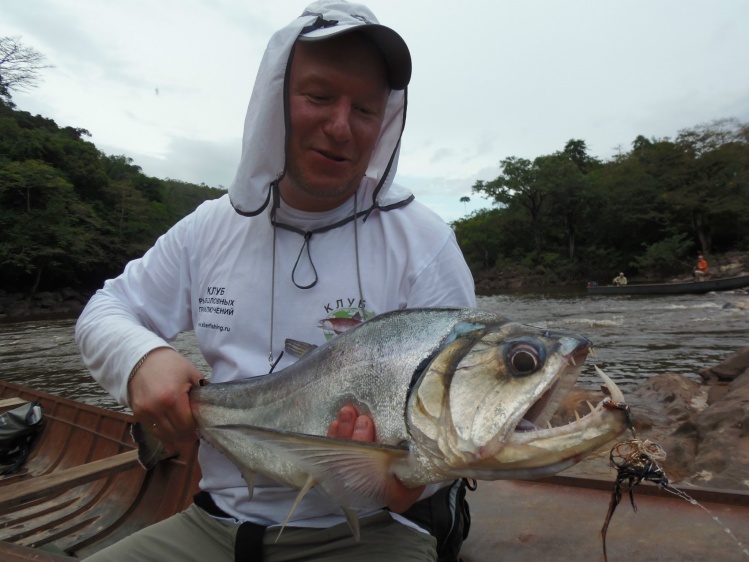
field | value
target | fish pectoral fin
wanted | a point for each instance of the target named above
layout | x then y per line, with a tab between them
352	474
298	348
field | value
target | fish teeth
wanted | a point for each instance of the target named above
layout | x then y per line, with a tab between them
592	352
572	361
616	394
577	416
592	408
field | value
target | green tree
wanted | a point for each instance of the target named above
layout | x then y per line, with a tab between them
665	257
465	200
44	224
182	198
713	184
72	214
517	185
577	151
565	185
480	237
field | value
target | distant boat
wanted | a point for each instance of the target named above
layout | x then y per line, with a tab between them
684	288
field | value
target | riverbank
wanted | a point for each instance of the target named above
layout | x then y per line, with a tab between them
69	302
66	302
520	277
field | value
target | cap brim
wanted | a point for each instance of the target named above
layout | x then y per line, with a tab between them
392	46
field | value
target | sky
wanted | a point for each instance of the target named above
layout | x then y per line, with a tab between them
167	82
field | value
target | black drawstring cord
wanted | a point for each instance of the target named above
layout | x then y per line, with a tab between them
307	237
273	365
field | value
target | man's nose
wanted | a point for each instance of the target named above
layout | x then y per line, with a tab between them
338	124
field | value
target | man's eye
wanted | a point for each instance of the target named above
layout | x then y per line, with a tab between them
365	110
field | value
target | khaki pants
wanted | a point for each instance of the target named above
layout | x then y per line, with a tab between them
193	535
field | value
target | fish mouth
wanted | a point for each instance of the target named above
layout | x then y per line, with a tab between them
528	423
541	411
533	452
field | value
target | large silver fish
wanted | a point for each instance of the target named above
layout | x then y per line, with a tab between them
453	393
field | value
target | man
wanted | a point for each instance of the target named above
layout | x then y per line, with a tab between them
699	273
620	279
312	230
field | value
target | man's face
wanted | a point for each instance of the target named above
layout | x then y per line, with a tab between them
338	91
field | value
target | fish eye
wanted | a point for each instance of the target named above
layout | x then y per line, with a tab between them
524	358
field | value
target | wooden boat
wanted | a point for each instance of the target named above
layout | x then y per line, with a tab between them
684	288
81	490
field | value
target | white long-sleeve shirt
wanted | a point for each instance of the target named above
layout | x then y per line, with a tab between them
212	272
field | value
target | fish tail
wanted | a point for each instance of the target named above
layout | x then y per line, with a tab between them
150	449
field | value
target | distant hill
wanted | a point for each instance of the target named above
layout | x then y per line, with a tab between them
72	216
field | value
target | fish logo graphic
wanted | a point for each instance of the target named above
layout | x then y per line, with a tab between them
343	319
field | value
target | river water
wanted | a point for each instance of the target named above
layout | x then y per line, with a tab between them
634	338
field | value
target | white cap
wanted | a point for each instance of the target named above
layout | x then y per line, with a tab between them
336	18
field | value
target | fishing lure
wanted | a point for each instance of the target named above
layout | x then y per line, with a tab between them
635	461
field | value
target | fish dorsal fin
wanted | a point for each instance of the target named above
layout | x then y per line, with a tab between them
303	492
351	473
298	348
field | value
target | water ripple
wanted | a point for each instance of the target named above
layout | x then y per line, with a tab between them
634	337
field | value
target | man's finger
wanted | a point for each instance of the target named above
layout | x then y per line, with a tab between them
333	429
363	429
346	421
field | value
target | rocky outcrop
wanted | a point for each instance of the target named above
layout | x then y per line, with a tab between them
711	448
63	302
703	427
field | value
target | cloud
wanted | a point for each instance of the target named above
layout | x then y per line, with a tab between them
491	80
190	160
443	194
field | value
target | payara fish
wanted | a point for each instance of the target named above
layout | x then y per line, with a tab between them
452	393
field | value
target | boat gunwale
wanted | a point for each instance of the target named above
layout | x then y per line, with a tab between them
679	288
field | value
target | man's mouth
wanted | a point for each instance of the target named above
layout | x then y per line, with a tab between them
332	156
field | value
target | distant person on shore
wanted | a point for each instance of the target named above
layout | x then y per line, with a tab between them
620	280
699	273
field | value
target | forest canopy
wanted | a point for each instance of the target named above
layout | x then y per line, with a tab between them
71	215
648	211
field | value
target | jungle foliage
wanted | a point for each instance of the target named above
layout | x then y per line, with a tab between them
71	215
648	211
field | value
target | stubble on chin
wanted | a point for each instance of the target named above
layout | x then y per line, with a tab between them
298	185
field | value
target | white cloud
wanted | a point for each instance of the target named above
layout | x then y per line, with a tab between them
491	79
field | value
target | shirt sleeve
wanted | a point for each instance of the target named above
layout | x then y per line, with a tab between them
144	308
445	281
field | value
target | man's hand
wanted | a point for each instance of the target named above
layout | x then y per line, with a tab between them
351	425
158	395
